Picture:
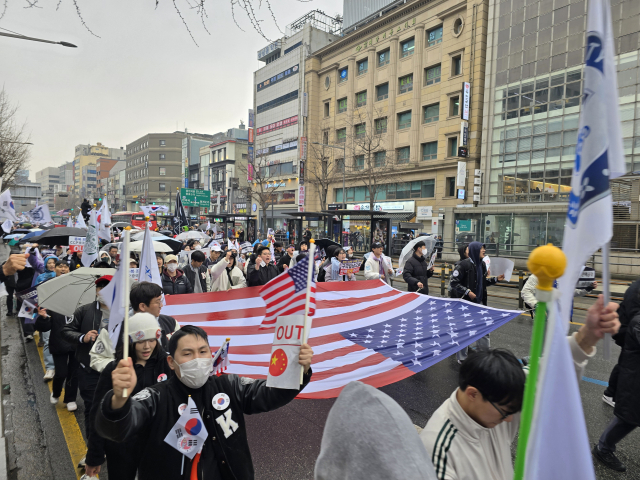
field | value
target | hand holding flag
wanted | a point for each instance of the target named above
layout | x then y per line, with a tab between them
189	433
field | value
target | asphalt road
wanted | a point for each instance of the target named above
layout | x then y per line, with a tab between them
284	443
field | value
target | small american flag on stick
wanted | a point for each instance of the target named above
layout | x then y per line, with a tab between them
286	294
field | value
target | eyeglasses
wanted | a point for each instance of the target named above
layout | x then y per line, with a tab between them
502	413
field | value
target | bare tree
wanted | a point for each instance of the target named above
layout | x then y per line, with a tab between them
14	140
324	166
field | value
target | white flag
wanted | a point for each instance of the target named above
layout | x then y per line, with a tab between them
189	433
215	229
91	247
558	443
39	214
230	246
148	263
6	226
208	225
149	209
599	155
284	369
104	220
69	221
7	209
113	295
80	221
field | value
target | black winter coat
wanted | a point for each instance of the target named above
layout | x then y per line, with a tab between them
285	259
415	271
123	457
85	318
464	279
256	278
191	275
154	412
54	323
180	285
629	308
628	391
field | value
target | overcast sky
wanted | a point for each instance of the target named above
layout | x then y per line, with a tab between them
144	74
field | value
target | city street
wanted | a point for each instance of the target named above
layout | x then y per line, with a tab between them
44	442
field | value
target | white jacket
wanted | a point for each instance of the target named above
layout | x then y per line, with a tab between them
220	279
529	291
462	449
372	269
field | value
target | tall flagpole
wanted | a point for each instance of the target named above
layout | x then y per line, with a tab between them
606	345
305	331
124	260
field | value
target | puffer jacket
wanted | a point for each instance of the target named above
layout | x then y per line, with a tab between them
175	285
416	271
54	323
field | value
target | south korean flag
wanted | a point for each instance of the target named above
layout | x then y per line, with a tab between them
189	433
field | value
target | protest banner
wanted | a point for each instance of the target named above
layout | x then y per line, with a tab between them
433	260
284	369
502	266
76	244
349	267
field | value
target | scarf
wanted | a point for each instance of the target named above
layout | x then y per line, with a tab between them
474	255
197	287
380	263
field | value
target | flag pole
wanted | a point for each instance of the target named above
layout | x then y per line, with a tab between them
305	331
547	263
606	344
125	324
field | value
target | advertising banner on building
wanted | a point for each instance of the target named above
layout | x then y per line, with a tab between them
303	148
461	177
464	133
301	195
466	100
424	213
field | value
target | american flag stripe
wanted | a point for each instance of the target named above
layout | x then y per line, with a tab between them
346	312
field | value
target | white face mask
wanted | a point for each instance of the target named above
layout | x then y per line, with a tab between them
195	373
424	251
172	267
198	247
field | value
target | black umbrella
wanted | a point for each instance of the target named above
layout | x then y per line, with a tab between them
58	236
324	243
167	233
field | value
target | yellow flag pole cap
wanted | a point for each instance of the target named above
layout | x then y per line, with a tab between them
547	263
311	240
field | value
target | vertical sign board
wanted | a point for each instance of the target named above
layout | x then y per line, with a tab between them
301	173
462	174
466	100
305	104
301	195
464	133
303	148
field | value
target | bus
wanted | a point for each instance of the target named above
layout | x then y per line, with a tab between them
136	219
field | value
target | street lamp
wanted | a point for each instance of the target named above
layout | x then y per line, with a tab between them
23	37
344	160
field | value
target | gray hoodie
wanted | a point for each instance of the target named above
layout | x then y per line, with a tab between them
369	436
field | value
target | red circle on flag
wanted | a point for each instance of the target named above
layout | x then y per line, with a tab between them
278	363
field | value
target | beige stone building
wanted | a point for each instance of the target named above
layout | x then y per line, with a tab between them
397	85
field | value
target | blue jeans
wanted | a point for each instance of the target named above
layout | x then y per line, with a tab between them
483	344
48	358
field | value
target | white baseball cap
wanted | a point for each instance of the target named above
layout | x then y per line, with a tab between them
143	326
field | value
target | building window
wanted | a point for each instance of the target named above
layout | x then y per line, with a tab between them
361	130
276	102
162	187
456	65
406	84
431	113
382	91
432	75
340	164
403	155
343	75
341	135
361	98
342	105
454	106
163	171
406	48
434	36
457	26
359	162
430	151
452	149
428	189
162	143
379	158
383	58
450	185
162	156
363	66
381	125
326	109
404	120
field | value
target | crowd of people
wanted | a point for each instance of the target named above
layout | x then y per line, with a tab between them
468	437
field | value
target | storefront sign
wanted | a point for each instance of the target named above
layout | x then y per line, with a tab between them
466	99
301	195
387	34
463	225
303	148
424	213
385	206
251	118
461	177
464	132
275	185
278	77
287	122
281	147
269	49
250	135
301	173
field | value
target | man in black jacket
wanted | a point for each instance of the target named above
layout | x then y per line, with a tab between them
153	412
197	273
16	262
285	259
260	272
416	272
146	297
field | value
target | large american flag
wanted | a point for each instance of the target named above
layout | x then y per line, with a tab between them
287	294
364	330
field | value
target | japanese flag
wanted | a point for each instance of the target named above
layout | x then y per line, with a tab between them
189	433
284	369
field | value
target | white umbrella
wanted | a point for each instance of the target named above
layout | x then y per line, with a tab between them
67	292
157	247
193	234
407	251
140	235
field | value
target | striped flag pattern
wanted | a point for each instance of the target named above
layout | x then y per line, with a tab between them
365	330
287	293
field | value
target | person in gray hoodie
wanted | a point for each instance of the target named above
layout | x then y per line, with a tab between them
368	436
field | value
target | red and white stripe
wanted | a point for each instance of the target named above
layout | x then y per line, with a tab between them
281	299
341	306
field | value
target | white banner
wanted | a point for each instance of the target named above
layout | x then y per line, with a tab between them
284	369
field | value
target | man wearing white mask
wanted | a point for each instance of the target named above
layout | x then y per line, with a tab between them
221	402
416	271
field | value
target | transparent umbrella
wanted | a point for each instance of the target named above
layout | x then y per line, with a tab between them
196	235
407	251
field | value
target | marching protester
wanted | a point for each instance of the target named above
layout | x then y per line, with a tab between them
82	331
225	275
377	265
174	281
304	248
469	281
333	274
416	271
197	273
286	258
65	363
50	271
529	292
262	270
160	261
214	256
349	251
22	281
153	412
470	435
146	297
151	367
113	253
277	251
463	251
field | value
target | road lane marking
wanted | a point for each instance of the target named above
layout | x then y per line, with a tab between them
70	428
596	381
